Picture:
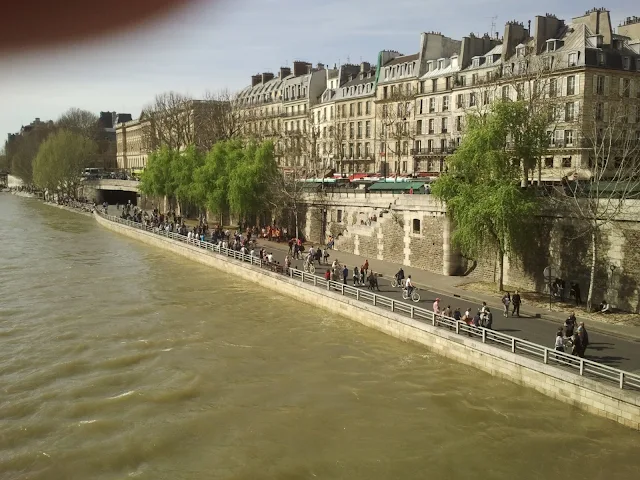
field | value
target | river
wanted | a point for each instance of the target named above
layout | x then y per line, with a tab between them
120	361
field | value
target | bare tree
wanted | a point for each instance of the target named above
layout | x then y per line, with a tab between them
171	122
80	121
217	117
397	130
286	197
534	82
612	146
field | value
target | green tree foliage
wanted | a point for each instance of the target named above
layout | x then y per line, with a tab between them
156	179
491	212
21	150
250	179
61	160
182	170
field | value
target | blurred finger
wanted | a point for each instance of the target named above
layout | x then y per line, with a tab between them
34	23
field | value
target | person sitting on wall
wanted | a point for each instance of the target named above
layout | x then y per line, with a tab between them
605	307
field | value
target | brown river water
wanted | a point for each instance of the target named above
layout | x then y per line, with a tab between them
120	361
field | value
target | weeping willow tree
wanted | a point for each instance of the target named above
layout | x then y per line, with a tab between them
482	191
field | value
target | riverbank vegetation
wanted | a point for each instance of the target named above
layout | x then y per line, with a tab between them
234	176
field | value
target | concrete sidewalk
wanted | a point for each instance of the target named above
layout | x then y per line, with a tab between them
450	286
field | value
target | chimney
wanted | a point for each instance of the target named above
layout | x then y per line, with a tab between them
284	72
300	68
255	80
266	77
309	68
365	67
320	66
546	28
514	34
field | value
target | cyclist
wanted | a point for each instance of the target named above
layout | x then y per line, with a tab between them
400	276
408	285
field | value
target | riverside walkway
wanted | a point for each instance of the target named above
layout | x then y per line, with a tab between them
586	367
616	346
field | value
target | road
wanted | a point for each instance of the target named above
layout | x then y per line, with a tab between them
609	350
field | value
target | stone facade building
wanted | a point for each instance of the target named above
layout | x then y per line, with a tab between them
131	148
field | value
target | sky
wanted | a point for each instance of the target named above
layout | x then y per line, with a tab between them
213	45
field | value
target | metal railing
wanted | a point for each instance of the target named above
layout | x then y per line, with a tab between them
578	365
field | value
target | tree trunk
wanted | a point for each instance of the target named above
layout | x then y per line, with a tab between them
500	271
592	276
295	214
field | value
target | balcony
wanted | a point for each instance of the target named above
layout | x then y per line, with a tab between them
419	152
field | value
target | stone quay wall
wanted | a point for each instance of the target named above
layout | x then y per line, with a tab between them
600	399
414	230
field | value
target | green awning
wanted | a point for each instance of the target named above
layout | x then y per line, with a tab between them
418	187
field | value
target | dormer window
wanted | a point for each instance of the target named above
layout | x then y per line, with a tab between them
626	63
520	51
441	64
475	62
551	45
429	65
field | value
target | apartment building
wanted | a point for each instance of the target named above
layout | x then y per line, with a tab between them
132	149
355	134
585	76
399	111
407	114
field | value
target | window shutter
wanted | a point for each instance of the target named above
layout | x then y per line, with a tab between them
595	84
563	86
576	111
620	86
577	84
607	81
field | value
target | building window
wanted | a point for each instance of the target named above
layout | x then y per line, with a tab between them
474	79
434	85
600	84
367	129
568	137
571	85
445	104
553	87
419	127
472	99
601	59
566	162
445	125
485	99
548	162
573	59
405	148
569	112
459	123
505	92
626	87
385	92
460	100
359	108
367	149
432	105
462	79
339	216
367	107
431	126
416	225
599	111
351	130
626	63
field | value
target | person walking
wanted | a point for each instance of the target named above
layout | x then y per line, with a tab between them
506	301
356	276
584	339
516	301
365	268
345	274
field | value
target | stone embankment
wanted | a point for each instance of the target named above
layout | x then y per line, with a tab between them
622	406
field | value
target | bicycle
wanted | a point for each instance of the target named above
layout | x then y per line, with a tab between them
415	296
309	267
395	284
